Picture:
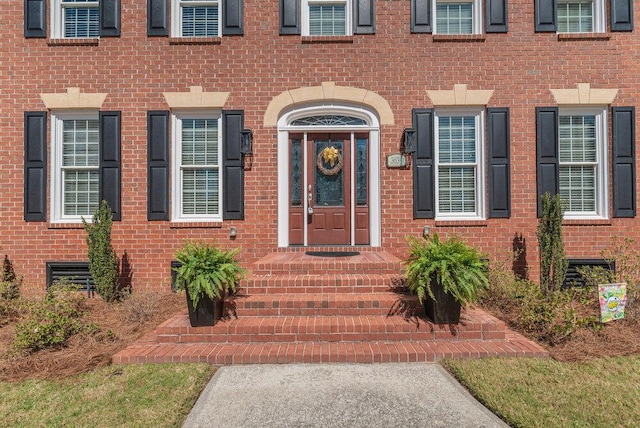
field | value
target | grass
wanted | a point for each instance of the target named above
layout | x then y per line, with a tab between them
153	395
529	392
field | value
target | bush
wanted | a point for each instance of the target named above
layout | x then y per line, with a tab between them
103	261
553	263
50	321
9	282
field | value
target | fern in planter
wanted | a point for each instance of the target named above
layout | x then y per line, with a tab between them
206	270
457	267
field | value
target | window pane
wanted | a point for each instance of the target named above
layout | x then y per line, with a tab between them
454	18
361	171
200	192
200	142
296	172
81	21
456	190
81	192
199	21
577	139
457	139
578	188
575	16
80	144
327	20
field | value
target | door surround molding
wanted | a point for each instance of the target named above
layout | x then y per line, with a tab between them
372	127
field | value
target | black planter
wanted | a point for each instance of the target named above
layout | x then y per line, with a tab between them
445	309
207	313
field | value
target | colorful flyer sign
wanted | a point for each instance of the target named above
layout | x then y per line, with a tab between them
613	298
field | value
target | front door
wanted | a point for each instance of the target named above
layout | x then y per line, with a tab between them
328	193
328	189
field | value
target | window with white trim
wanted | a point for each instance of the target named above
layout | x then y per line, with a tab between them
582	162
581	16
75	19
196	18
459	159
196	174
75	172
326	17
457	17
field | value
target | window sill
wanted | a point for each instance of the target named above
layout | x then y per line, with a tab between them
196	225
73	42
461	223
583	36
66	226
459	38
326	39
587	222
195	40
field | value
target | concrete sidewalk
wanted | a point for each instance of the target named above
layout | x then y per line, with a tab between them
337	395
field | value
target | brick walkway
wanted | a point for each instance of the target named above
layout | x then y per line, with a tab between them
296	308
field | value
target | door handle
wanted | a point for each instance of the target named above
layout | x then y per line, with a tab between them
309	199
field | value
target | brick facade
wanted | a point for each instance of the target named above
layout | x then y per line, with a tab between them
134	70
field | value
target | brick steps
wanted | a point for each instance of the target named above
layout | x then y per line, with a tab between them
150	351
334	328
296	308
327	304
304	283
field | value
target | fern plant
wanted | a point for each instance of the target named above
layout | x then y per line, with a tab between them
207	270
459	268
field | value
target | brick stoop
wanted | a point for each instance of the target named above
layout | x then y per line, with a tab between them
296	308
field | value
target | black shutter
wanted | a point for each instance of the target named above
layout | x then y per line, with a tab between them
232	18
232	170
496	16
364	12
421	16
157	18
35	166
109	18
621	15
499	176
290	17
624	164
110	188
545	13
158	165
423	167
546	152
35	18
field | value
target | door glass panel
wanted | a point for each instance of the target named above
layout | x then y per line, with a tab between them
361	171
296	172
329	177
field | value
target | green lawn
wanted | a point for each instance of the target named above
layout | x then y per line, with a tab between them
529	392
152	395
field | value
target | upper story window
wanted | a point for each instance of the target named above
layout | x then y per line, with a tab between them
457	17
196	18
326	18
459	172
196	174
581	16
75	19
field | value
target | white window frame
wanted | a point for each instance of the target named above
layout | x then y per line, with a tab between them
176	15
599	18
176	162
479	114
348	6
601	175
57	182
57	17
476	13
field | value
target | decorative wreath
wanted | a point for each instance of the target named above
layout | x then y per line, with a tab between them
332	156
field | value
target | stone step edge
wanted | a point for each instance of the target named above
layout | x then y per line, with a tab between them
148	351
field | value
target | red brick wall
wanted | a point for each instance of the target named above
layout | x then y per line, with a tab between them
520	66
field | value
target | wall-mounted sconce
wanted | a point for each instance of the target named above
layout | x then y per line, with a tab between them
408	141
426	231
246	142
233	232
